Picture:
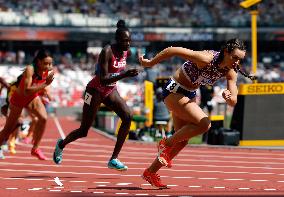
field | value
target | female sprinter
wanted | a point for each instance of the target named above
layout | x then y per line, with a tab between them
35	78
102	89
201	67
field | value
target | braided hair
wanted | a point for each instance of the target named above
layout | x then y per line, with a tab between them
229	46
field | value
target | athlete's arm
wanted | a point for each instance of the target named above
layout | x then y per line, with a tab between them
28	88
187	54
105	77
231	93
4	83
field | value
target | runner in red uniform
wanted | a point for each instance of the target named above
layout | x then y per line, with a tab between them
102	89
35	79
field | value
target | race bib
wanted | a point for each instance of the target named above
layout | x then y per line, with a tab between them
172	87
88	98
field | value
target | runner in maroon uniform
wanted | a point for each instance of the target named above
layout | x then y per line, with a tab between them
102	89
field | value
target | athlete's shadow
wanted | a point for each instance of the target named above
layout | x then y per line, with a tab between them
127	188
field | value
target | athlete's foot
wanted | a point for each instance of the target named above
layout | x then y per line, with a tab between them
2	154
38	153
153	179
117	165
12	150
164	153
57	155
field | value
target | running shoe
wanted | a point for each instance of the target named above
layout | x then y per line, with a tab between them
164	153
38	153
117	165
1	154
153	179
12	150
57	155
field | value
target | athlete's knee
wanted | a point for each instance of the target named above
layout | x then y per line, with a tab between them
126	117
204	125
82	132
42	118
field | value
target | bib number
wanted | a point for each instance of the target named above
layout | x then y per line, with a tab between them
172	87
88	98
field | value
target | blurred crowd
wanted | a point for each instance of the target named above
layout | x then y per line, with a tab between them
194	13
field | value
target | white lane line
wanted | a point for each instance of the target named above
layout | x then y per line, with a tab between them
172	185
11	188
101	185
121	193
243	188
219	187
76	191
54	190
145	184
280	181
100	182
13	178
77	181
123	183
141	194
35	189
182	177
270	189
33	179
261	173
59	187
60	130
194	186
234	179
258	180
208	178
98	192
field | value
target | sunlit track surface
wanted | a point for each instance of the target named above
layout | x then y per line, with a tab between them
197	171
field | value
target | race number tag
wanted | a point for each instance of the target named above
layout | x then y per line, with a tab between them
88	98
172	87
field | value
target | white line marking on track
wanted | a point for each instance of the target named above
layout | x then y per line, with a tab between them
219	187
123	183
101	185
77	181
243	188
146	184
54	190
34	179
59	187
61	132
172	185
13	178
182	177
270	189
75	191
121	193
98	192
35	189
194	186
11	188
162	195
141	194
233	179
258	180
101	182
208	178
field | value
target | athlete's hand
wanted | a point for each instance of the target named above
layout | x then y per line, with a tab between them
226	94
132	72
49	78
144	62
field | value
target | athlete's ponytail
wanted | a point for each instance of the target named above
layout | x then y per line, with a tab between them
238	69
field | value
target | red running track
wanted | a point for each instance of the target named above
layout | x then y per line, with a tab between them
197	171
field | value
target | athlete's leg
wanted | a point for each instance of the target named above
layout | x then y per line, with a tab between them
11	122
118	105
187	110
92	103
37	108
178	124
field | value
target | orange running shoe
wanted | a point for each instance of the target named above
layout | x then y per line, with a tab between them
38	153
153	179
164	153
